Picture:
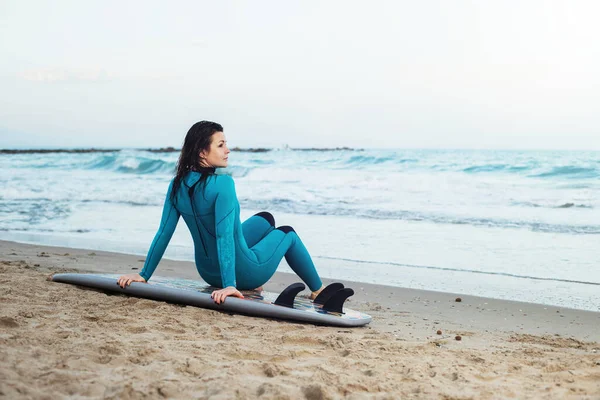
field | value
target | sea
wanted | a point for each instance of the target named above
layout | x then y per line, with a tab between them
517	225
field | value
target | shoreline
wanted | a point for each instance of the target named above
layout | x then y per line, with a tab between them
530	318
421	268
61	340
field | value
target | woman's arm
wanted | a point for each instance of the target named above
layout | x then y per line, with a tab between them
225	206
168	223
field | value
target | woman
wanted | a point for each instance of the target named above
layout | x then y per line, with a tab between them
229	255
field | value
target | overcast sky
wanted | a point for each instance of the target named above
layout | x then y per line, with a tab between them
404	74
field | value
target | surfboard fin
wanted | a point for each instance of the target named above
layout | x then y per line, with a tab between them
336	302
286	298
326	293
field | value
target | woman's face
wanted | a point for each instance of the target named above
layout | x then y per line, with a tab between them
218	152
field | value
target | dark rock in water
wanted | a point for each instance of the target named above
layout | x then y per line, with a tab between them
571	205
327	149
251	150
567	205
164	150
44	151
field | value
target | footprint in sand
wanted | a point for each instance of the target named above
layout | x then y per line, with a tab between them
273	370
137	329
7	322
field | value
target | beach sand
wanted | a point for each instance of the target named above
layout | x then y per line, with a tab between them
60	340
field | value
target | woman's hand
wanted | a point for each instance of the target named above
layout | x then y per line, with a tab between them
219	295
125	280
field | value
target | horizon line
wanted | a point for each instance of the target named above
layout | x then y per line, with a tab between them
171	149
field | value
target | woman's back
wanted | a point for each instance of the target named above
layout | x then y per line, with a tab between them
210	210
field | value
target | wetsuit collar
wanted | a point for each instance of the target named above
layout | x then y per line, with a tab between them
194	174
204	170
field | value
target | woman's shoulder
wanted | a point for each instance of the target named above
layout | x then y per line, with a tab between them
224	181
223	178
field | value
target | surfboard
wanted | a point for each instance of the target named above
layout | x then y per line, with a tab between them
326	309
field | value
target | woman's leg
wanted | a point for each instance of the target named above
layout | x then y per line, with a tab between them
284	242
257	227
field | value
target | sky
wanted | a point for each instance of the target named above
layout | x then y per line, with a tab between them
512	74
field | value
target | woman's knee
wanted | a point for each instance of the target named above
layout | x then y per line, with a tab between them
267	216
285	229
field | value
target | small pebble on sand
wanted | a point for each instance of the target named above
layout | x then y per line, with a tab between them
458	300
439	332
458	337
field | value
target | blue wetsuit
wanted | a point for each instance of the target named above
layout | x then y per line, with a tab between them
228	252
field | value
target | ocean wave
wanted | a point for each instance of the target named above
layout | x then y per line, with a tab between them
140	165
44	230
577	185
560	206
133	164
136	166
496	168
125	202
33	212
370	160
303	207
574	169
570	172
530	170
353	161
375	160
485	168
236	171
61	203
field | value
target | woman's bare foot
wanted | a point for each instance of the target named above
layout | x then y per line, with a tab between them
314	294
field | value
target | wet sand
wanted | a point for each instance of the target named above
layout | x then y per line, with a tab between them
59	340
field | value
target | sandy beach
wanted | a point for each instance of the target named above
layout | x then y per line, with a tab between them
61	341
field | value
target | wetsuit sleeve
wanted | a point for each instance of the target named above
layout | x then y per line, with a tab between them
168	223
225	206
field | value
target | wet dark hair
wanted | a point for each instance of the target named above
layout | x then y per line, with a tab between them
198	138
